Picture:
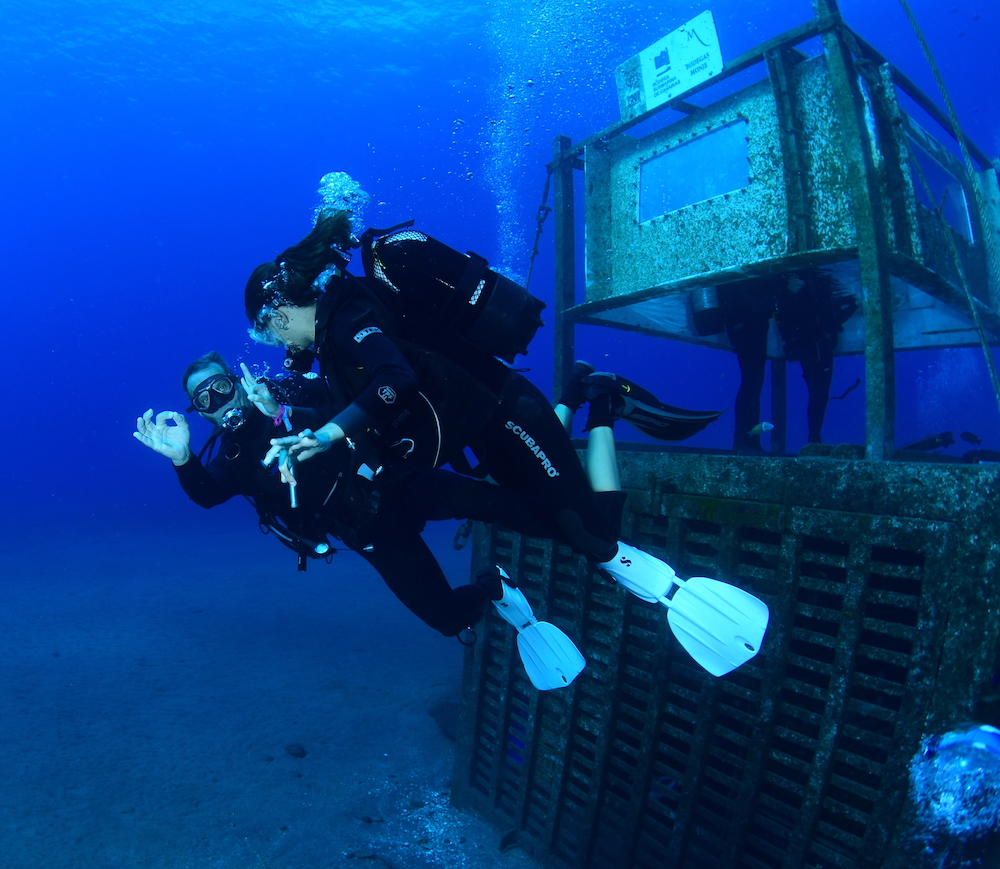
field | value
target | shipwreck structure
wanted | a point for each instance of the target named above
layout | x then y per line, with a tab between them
880	573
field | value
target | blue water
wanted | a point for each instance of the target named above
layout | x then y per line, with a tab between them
154	153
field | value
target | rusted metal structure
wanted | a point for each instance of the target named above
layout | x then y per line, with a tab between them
833	173
881	576
881	580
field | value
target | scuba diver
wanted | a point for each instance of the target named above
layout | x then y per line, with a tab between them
411	375
357	492
415	377
810	308
417	381
380	514
426	404
380	520
244	413
747	308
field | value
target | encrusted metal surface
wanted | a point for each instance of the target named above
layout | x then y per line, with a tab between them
826	179
727	231
796	211
885	611
744	226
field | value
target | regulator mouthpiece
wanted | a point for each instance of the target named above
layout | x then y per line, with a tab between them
234	418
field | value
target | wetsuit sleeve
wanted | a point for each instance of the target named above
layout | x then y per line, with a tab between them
207	487
360	342
305	417
308	402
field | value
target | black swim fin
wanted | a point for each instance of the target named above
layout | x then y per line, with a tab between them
643	410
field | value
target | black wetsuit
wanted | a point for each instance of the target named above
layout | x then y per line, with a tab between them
418	384
236	467
380	520
809	319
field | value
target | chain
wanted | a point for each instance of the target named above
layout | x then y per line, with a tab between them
540	215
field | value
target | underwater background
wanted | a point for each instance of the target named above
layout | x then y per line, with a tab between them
153	154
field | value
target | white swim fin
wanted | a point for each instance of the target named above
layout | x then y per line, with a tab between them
720	625
550	658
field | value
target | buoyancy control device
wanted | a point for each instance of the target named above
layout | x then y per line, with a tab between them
439	287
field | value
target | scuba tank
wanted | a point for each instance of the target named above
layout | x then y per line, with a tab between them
437	287
706	312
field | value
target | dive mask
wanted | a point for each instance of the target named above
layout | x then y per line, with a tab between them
213	393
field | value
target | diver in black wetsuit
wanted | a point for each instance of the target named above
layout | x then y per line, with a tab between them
747	308
380	518
426	404
427	397
242	433
810	308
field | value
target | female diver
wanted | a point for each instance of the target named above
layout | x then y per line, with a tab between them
427	405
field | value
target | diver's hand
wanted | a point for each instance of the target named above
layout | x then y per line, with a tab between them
298	447
259	394
286	468
172	441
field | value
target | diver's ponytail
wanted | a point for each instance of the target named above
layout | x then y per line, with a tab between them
289	278
312	255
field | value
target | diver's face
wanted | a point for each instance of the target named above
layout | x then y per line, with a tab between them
295	328
212	390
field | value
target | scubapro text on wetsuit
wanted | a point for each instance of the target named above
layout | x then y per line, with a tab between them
529	442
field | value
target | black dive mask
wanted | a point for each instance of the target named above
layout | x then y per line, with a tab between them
213	393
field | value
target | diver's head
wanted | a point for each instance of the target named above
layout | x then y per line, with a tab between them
215	391
278	292
284	325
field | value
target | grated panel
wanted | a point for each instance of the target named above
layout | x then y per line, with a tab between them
798	758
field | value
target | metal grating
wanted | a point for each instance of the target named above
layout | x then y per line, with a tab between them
798	759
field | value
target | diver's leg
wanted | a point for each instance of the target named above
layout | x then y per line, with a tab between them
639	572
749	340
405	563
573	394
602	460
589	517
439	494
527	449
817	369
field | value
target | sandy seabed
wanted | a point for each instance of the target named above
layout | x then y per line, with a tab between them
157	681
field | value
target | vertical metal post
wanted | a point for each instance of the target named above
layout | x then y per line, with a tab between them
790	136
990	222
565	266
871	222
799	226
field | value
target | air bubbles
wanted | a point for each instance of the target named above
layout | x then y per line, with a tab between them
339	191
